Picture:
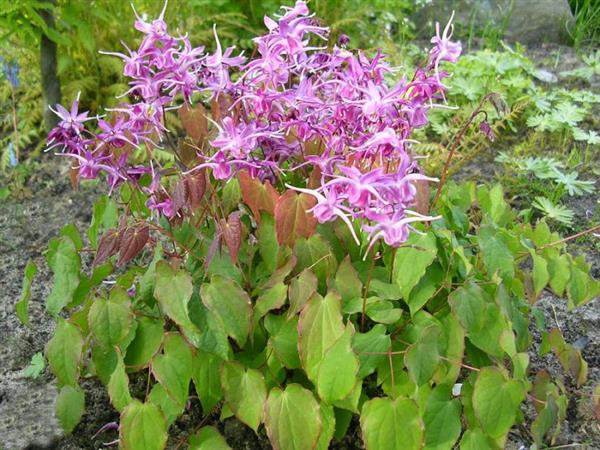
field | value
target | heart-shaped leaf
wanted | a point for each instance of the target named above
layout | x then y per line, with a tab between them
142	427
292	218
292	418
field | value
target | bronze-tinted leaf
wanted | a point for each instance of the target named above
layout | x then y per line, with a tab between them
195	188
422	197
232	234
212	249
292	219
132	242
220	107
107	247
194	121
258	196
188	151
314	180
180	195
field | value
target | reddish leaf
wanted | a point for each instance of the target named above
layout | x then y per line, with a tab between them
292	219
212	249
314	180
232	234
107	246
539	389
132	242
258	196
195	188
422	197
194	121
220	107
180	195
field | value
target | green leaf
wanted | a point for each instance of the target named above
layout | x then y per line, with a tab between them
496	401
494	205
208	438
480	317
173	368
442	419
231	195
70	405
110	319
142	427
422	358
35	367
381	420
105	361
22	306
327	427
540	273
382	311
245	392
347	282
320	326
146	343
412	260
454	338
105	216
301	290
337	371
425	288
207	379
272	298
315	254
283	339
170	408
173	291
148	280
64	352
292	418
72	233
118	386
267	242
64	261
559	271
569	358
367	345
581	287
545	421
474	440
230	305
497	257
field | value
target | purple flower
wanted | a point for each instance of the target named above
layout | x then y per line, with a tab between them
485	128
238	141
444	49
293	107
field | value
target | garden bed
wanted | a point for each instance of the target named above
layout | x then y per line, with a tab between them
26	406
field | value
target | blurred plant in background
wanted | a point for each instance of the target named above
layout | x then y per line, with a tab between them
83	28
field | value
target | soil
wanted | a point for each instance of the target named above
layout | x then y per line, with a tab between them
26	406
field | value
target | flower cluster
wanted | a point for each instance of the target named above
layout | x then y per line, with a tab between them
299	105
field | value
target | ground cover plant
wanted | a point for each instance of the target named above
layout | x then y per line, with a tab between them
271	250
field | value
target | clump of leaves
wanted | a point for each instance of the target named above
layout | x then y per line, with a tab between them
542	182
36	366
302	332
553	211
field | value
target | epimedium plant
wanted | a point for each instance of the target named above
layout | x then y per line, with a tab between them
274	270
